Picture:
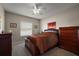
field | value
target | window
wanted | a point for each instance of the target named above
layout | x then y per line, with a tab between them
26	28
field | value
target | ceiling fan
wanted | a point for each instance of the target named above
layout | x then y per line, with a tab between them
37	9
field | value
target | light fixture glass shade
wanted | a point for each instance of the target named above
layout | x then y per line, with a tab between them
36	10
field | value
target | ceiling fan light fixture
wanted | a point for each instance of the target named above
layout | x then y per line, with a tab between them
36	9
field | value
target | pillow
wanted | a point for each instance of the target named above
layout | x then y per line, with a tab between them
51	30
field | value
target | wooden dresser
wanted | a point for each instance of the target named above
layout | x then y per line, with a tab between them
69	38
5	44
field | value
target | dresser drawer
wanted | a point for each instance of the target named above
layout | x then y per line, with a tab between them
70	48
69	40
73	42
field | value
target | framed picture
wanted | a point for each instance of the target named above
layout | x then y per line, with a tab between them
35	26
52	25
13	25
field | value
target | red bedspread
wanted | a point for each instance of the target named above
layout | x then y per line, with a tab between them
44	41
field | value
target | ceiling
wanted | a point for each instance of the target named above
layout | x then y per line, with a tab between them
48	9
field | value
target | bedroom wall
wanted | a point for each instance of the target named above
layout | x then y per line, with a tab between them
2	19
69	17
15	18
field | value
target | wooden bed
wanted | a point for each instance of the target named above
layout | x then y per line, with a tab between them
39	44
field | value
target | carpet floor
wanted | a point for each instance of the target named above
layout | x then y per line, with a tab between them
20	50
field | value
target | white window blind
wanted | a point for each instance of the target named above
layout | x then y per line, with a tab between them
26	28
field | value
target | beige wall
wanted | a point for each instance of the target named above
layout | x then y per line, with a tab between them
2	19
69	17
15	18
